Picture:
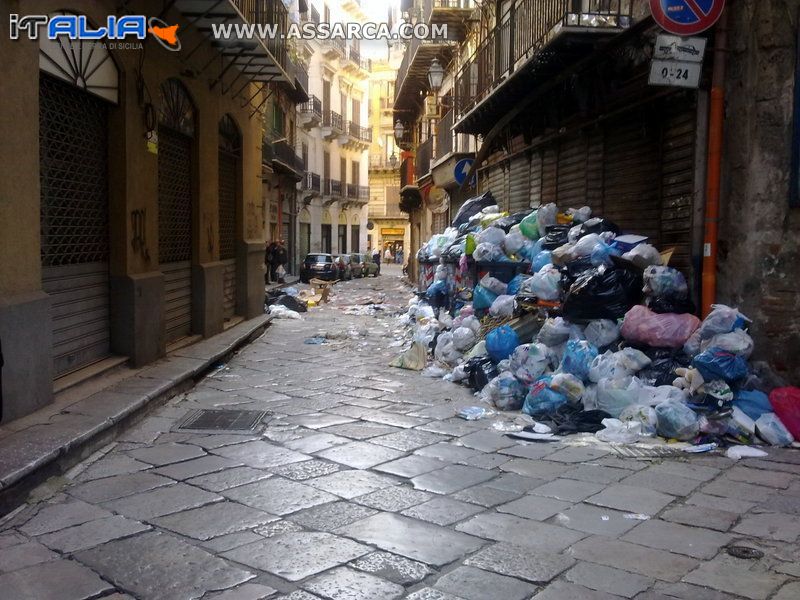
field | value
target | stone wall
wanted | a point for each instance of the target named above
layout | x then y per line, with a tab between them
759	266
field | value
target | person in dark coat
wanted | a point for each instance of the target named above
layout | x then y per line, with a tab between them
280	258
269	260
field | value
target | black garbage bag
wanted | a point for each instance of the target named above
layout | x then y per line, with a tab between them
481	371
557	236
292	303
603	293
674	303
599	225
456	249
662	370
569	419
472	207
574	269
506	223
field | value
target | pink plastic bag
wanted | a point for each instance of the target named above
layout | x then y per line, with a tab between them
643	326
786	404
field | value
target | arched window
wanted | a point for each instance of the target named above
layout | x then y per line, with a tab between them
176	109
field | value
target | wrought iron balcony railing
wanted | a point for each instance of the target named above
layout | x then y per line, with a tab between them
352	191
430	5
447	141
522	33
269	12
333	120
312	107
312	182
423	158
355	131
285	153
379	161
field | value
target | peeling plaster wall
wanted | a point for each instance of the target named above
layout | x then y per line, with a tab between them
759	266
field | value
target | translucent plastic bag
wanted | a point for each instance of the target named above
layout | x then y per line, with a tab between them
580	215
632	360
492	235
644	255
665	281
506	393
568	385
602	333
412	359
619	432
554	332
463	338
514	242
494	285
722	319
501	343
546	216
546	284
643	326
542	401
615	395
646	415
488	252
515	285
482	299
737	341
585	245
602	253
441	273
541	260
529	362
472	322
677	421
577	359
503	307
589	398
772	430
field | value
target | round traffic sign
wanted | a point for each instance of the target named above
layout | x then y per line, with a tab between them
686	17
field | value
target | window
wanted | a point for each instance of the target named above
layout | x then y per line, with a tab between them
326	238
342	239
278	116
343	104
356	118
305	156
355	169
343	171
326	165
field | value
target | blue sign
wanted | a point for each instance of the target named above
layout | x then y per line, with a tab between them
462	170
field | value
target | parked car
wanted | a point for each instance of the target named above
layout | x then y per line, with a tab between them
343	261
357	265
369	266
319	266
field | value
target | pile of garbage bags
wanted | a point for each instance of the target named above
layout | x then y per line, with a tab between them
618	350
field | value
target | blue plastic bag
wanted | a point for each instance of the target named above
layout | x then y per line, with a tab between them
578	357
542	401
436	288
501	343
753	404
482	299
531	250
515	284
716	363
545	257
602	253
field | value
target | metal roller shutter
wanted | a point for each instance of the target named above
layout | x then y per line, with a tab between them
227	230
519	198
175	229
549	173
535	179
632	177
677	184
73	151
571	180
497	184
594	171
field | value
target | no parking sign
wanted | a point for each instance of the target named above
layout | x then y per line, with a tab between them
686	17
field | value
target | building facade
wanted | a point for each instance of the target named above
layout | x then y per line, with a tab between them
333	139
558	96
389	227
131	218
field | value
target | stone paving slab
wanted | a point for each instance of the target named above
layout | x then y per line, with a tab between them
474	584
55	580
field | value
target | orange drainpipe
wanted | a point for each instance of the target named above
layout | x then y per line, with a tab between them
716	121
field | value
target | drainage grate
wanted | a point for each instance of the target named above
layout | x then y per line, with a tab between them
646	451
222	420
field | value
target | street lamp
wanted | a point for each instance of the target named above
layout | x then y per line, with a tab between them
435	76
393	160
399	130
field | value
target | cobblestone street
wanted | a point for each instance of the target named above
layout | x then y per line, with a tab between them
364	485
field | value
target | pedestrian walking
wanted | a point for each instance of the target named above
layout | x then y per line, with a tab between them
269	259
280	260
387	256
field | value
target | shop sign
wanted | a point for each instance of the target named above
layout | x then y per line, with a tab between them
393	231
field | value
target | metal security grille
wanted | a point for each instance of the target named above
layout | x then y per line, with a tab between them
73	151
227	205
174	196
228	288
73	147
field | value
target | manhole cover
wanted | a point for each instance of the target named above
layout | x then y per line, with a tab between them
744	552
222	420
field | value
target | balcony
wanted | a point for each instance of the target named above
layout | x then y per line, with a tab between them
356	137
334	48
310	114
332	124
310	16
448	142
358	193
534	41
379	162
453	13
355	65
422	166
312	182
286	160
298	88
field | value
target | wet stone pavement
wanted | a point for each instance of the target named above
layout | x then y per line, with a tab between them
363	485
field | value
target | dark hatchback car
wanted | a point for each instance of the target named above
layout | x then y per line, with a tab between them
319	266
